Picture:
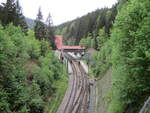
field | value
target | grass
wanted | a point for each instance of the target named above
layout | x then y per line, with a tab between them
115	105
104	92
57	98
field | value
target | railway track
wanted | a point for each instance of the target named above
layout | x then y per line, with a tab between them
76	99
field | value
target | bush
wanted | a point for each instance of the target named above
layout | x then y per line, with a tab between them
28	70
102	59
130	56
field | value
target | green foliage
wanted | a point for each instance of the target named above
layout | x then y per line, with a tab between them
56	99
101	39
44	31
50	32
121	3
11	69
130	56
33	46
88	42
40	28
44	47
28	71
102	59
79	28
11	12
127	51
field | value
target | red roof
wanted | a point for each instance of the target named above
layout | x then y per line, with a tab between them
73	47
58	41
59	44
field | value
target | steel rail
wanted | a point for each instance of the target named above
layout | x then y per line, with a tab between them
78	100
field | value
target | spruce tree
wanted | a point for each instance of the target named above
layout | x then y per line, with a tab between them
11	12
20	17
50	31
131	57
1	13
40	29
8	12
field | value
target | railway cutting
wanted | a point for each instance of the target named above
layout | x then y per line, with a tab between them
77	97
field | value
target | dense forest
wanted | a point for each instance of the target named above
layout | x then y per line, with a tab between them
130	56
87	25
126	50
28	71
28	67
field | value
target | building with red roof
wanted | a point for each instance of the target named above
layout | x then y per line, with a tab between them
58	42
60	46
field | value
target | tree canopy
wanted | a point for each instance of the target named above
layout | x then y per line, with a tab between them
79	28
44	30
11	12
28	71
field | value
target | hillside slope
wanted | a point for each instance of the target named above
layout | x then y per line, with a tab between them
89	24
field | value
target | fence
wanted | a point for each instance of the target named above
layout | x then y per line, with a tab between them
146	107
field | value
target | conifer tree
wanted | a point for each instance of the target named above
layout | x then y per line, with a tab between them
1	14
8	12
11	12
20	17
39	29
50	31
